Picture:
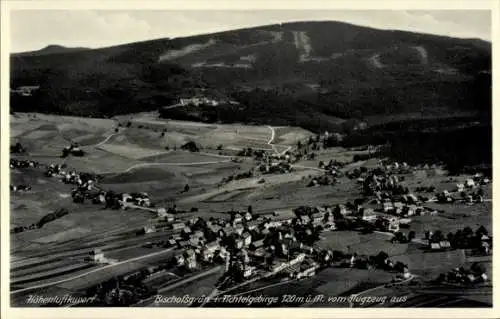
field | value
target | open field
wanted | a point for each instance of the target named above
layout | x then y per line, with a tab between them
290	135
181	157
146	128
362	244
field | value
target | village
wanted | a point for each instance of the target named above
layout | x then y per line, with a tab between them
283	243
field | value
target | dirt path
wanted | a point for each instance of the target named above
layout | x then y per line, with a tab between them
273	145
173	164
103	141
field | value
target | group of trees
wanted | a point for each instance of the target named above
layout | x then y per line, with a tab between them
120	292
378	261
400	237
461	275
190	146
44	220
243	175
17	148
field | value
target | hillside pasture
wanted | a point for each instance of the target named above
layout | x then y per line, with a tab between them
147	129
140	174
99	161
130	150
290	135
369	244
82	222
181	157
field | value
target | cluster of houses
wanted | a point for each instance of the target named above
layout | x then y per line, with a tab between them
138	199
332	167
123	290
20	188
248	246
447	197
197	101
97	256
86	186
460	275
380	261
74	149
252	246
275	168
268	164
322	180
387	186
17	148
20	229
17	163
26	90
404	209
470	191
397	168
479	241
55	170
275	164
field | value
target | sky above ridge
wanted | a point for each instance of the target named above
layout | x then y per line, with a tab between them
35	29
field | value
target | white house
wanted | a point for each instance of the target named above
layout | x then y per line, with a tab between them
369	214
387	207
470	183
97	256
247	238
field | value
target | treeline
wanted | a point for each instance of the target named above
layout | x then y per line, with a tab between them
461	146
458	149
134	82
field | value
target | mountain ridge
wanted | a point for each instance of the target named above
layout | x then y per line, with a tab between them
483	41
50	49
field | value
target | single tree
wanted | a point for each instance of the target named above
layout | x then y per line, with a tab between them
437	236
468	231
481	231
411	235
381	258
